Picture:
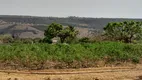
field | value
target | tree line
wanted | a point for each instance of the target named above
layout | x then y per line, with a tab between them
127	31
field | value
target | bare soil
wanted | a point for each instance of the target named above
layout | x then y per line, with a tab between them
103	73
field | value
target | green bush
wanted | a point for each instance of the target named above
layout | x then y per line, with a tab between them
6	38
84	40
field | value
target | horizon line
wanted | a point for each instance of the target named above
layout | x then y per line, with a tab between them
70	16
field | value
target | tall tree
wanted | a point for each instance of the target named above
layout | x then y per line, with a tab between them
126	31
57	30
67	33
52	31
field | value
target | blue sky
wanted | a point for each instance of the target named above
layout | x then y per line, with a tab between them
81	8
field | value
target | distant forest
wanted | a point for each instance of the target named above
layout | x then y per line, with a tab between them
95	23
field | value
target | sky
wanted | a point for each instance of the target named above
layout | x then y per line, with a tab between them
79	8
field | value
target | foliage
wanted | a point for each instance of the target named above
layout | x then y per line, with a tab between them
57	30
26	40
68	33
124	31
30	55
52	31
84	40
37	40
6	38
47	40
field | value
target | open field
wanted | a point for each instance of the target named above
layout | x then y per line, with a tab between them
103	73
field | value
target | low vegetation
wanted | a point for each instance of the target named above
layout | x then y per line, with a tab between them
68	56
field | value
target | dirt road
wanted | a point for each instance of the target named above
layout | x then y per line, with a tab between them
105	73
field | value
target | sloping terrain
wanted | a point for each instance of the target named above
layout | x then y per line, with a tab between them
28	31
33	27
21	31
97	23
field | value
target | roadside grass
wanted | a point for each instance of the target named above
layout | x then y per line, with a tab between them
29	55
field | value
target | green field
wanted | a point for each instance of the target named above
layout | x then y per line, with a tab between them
34	55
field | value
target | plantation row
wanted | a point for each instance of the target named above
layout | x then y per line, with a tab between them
43	56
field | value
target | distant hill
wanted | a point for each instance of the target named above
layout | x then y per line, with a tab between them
24	25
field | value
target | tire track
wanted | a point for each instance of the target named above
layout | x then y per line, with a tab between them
72	72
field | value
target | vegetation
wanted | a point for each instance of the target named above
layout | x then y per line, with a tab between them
36	55
57	30
52	31
67	34
84	40
124	31
6	38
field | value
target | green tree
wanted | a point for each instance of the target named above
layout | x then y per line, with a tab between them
126	31
52	31
68	33
57	30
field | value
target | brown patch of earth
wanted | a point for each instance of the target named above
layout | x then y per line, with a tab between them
103	73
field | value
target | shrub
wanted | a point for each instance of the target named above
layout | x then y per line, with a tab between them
6	38
84	40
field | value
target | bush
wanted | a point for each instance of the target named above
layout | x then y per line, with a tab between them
24	40
47	40
84	40
6	38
